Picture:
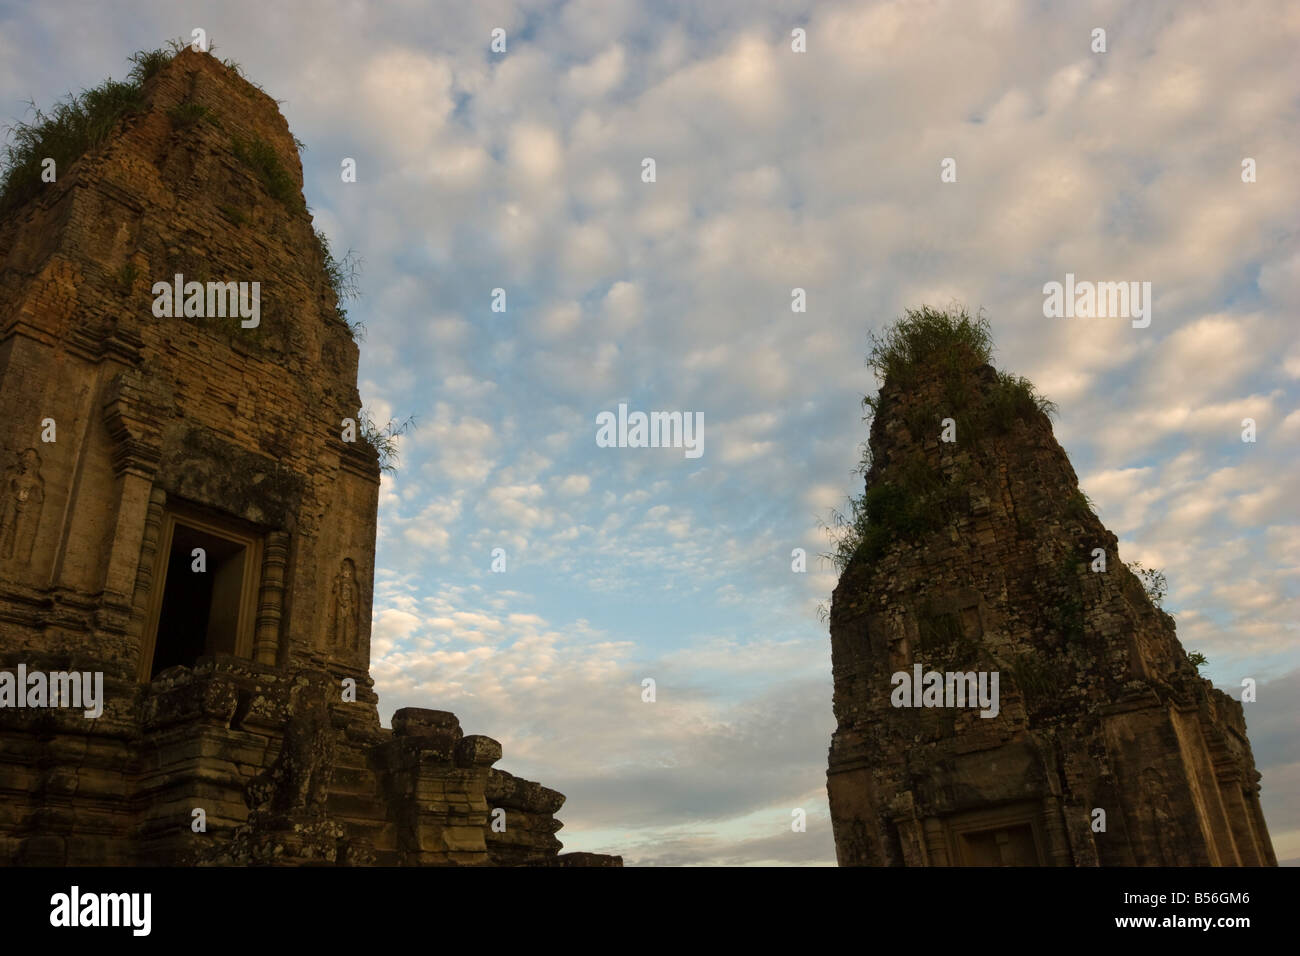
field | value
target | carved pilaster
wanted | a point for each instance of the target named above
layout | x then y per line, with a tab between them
275	557
936	843
1052	822
911	838
145	573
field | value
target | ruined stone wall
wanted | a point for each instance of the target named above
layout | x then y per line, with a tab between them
1099	707
201	419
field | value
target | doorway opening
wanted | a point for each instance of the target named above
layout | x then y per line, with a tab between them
205	594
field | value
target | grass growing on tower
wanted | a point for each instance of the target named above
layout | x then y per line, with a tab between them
911	497
73	126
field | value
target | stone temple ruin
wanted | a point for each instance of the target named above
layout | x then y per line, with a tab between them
133	443
977	555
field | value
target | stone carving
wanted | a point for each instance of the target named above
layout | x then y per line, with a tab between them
288	822
297	782
345	608
20	506
271	602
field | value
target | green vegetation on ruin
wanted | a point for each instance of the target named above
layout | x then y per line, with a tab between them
384	440
72	127
911	497
1153	583
1066	612
955	346
1079	506
913	501
1156	586
80	122
942	640
340	273
232	213
237	71
259	156
342	277
185	115
127	276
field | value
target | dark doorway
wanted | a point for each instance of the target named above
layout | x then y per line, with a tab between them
200	609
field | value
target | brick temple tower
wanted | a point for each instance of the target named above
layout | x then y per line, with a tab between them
182	513
978	556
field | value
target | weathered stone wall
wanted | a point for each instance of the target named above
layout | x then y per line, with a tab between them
1099	707
200	417
245	422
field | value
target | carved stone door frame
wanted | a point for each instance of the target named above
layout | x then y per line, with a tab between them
249	587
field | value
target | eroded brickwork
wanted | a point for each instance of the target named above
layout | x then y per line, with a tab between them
185	430
1099	707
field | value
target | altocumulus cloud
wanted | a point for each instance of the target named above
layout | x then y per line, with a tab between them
775	170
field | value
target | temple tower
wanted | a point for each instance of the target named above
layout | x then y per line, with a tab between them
183	513
976	555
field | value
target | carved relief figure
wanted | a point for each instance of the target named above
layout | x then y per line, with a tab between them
1162	821
21	498
298	781
347	608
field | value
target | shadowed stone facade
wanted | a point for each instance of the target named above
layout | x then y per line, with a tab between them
1099	707
225	689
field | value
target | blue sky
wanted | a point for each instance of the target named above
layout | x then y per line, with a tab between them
774	170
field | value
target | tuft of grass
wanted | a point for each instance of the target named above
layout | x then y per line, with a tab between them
942	637
234	67
1197	660
258	155
951	341
342	277
845	531
1079	506
65	134
145	64
185	115
126	276
1066	605
1013	398
952	345
386	440
72	127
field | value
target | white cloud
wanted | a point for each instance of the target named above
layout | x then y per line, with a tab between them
575	485
775	170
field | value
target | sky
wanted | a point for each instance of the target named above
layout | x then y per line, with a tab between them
774	170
